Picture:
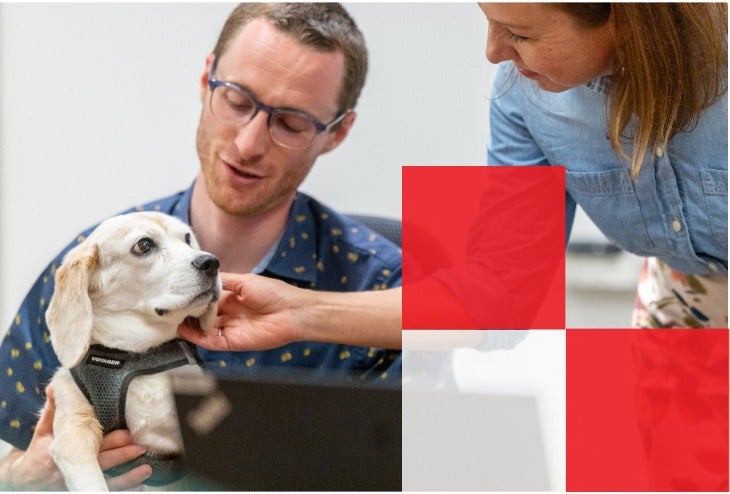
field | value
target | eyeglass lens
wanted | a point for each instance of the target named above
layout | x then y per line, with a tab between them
288	129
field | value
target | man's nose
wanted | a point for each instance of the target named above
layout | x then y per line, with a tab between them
253	139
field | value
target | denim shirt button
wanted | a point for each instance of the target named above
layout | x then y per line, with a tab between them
659	152
713	267
677	226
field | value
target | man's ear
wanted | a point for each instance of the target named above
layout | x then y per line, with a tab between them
204	78
338	135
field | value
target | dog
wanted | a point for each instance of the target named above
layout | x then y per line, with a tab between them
126	287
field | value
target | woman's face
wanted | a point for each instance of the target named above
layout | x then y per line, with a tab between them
548	45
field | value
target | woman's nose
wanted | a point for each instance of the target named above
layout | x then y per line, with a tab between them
497	49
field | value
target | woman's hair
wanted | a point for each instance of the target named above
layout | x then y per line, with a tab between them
321	26
671	64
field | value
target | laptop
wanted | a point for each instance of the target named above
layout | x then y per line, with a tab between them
277	435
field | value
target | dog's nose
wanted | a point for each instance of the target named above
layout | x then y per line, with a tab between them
207	263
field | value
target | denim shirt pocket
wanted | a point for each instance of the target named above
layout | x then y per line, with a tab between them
609	199
714	185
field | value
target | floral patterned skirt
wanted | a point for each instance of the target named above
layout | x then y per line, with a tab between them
682	378
667	298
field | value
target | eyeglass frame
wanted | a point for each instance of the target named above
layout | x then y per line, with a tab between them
319	126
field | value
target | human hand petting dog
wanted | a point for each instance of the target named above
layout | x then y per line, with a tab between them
260	313
35	469
254	313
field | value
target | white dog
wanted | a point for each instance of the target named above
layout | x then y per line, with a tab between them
124	289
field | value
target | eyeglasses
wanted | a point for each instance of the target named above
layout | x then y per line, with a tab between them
289	128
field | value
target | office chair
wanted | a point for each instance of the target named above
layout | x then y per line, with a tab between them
387	227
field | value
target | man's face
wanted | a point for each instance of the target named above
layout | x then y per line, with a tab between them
246	173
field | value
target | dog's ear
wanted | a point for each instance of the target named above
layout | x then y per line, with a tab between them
69	316
207	318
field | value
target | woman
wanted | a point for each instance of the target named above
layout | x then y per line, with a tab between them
631	99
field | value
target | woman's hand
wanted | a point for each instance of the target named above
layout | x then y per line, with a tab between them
259	313
254	313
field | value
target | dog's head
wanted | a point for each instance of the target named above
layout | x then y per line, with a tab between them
128	286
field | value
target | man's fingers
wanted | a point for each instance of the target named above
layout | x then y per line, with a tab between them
233	282
114	457
45	423
116	439
130	480
117	448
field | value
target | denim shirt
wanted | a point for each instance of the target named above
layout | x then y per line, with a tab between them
675	210
320	250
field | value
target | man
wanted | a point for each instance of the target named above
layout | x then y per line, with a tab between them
278	91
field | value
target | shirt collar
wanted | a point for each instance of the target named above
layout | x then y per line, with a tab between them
182	208
295	256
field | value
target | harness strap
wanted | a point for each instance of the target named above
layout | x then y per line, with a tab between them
105	373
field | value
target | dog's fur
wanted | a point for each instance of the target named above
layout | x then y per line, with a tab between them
127	286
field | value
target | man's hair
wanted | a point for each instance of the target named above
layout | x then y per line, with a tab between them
322	26
671	64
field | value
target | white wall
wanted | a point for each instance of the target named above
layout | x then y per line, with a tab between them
99	105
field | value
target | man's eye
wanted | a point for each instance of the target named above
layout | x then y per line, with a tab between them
143	246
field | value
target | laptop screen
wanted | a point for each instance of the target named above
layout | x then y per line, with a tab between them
274	435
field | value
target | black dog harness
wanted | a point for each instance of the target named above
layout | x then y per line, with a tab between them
104	376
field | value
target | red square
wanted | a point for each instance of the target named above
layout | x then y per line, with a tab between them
647	410
483	247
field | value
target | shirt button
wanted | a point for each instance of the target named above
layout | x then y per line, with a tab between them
713	267
676	225
659	151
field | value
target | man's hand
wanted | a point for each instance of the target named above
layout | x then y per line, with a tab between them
35	469
254	313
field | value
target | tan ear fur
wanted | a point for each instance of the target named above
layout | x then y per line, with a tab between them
69	316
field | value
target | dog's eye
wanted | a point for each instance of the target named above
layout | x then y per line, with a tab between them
188	238
143	246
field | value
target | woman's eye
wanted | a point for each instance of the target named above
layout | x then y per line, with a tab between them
143	246
516	37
